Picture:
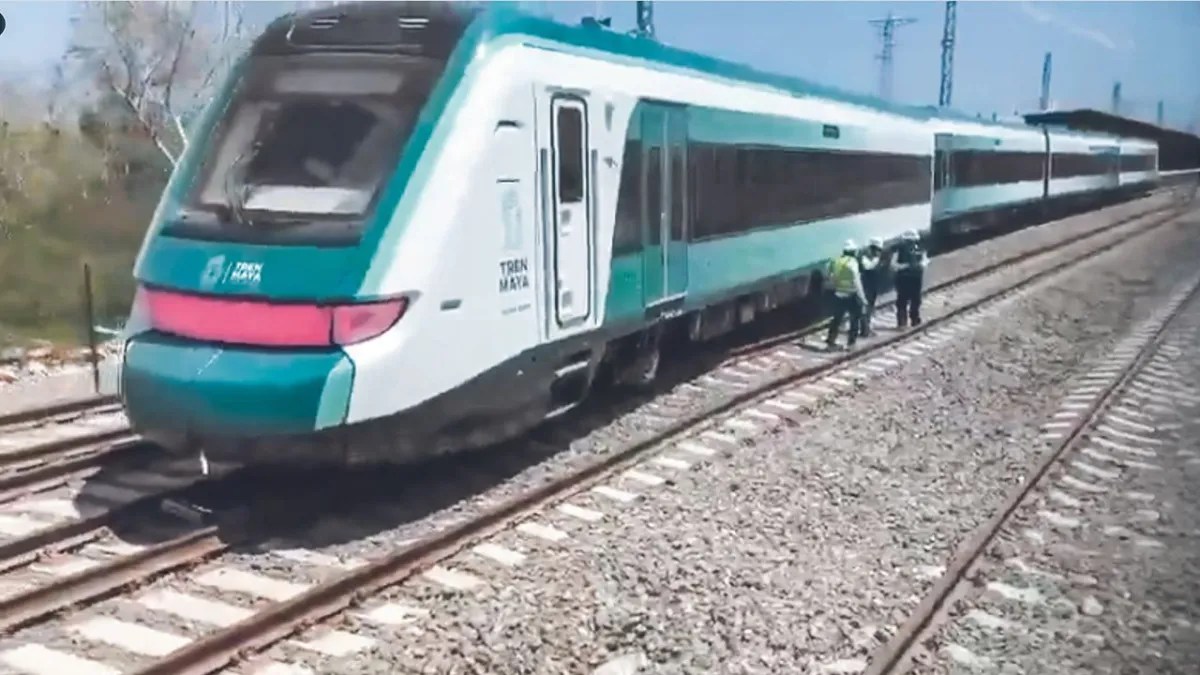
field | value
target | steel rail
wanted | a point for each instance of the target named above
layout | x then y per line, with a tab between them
184	550
55	410
59	446
102	580
78	455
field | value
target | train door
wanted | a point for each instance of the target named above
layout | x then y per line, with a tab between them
1112	167
1046	165
679	223
654	128
567	187
943	153
664	207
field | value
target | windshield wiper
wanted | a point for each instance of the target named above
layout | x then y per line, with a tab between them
235	191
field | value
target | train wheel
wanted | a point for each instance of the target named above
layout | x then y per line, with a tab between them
640	370
647	368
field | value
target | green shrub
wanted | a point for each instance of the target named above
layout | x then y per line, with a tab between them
67	199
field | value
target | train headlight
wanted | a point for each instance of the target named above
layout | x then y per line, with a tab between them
361	322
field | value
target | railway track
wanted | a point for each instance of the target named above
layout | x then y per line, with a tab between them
44	414
736	408
1109	425
41	447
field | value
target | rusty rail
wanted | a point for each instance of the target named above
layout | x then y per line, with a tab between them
56	410
78	456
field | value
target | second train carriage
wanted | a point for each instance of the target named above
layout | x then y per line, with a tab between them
981	168
984	169
1138	164
1082	166
407	228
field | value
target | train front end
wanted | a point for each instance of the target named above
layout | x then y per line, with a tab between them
252	280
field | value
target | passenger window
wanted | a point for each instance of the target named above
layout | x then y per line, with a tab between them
628	237
570	155
654	193
678	190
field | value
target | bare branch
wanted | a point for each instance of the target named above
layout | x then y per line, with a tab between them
160	59
172	73
146	125
179	129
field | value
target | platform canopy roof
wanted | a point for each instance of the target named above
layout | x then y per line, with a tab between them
1177	150
1087	119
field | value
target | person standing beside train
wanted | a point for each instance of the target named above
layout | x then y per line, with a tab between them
870	270
910	264
848	296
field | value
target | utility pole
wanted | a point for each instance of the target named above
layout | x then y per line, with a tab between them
887	34
645	18
948	30
1159	117
1116	98
1045	100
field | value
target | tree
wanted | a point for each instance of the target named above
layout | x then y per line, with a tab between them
161	60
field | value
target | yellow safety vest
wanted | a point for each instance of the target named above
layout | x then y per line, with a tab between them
842	275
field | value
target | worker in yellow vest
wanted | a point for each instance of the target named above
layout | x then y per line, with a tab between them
848	295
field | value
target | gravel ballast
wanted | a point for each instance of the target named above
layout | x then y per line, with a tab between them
808	548
1097	571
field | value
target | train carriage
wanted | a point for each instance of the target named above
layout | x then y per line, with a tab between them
1138	163
984	168
1082	166
405	229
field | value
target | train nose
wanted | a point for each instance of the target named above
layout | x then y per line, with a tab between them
174	386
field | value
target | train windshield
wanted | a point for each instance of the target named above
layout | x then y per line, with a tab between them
308	143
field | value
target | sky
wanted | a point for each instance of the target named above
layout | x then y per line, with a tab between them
1150	47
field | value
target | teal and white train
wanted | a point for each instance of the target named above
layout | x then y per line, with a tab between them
405	228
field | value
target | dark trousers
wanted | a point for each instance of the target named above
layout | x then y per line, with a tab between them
871	290
841	307
908	299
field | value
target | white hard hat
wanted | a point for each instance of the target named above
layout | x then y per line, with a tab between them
849	245
910	235
876	242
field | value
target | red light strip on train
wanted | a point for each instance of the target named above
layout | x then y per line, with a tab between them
268	324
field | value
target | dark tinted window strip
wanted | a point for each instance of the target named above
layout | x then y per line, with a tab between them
1137	163
973	168
1069	165
736	189
741	188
